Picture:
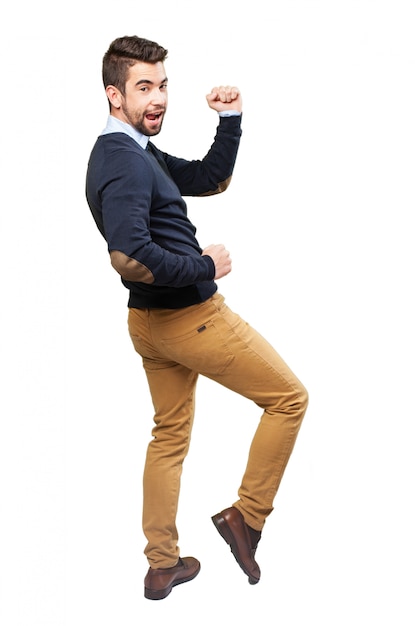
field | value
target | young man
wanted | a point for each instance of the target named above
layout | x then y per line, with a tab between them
178	322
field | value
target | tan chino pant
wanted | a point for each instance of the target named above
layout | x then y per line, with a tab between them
176	346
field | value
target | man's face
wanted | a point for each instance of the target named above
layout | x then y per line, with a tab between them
145	100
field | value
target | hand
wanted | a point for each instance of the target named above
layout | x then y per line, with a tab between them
224	98
221	259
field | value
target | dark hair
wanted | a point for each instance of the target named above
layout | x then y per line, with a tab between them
125	52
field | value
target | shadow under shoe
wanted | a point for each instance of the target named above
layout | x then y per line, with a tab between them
242	540
158	583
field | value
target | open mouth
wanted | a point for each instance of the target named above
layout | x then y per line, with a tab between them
153	117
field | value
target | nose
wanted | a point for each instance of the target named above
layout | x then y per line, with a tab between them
159	97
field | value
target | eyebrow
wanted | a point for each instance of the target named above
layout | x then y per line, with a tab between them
145	81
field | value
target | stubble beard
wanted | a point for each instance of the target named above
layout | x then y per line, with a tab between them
139	123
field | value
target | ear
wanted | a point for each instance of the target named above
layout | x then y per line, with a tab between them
114	96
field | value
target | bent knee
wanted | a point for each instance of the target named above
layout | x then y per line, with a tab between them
303	399
296	403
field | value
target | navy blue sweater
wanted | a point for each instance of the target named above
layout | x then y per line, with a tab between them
135	197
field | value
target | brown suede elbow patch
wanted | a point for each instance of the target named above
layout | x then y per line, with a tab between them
130	269
219	189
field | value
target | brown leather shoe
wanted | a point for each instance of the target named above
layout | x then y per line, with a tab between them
159	582
232	527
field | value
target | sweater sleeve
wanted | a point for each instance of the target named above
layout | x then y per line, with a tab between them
129	189
213	173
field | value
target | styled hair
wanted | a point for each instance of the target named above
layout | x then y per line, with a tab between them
125	52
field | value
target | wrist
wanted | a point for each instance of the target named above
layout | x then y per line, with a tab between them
229	113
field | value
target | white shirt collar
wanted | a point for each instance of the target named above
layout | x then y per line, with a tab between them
114	125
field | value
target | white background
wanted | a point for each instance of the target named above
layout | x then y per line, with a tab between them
319	222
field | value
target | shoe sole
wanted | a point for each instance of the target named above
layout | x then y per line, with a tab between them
160	594
225	532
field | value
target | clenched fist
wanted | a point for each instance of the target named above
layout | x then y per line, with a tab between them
221	259
224	98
